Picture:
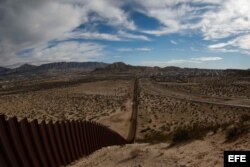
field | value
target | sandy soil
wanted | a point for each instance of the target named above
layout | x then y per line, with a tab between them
158	89
200	153
89	101
164	115
119	121
213	86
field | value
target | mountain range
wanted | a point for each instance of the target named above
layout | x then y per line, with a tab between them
117	67
53	67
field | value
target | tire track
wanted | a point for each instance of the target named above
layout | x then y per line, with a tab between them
133	120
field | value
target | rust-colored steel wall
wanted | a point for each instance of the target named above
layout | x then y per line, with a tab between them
33	144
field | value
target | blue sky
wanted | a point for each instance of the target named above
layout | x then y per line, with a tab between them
184	33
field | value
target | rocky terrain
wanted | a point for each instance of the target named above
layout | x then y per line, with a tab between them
186	117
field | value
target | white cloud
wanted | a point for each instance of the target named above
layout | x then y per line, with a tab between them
124	34
25	25
173	42
69	51
202	59
30	23
181	62
239	44
230	18
120	36
242	42
145	49
63	51
94	35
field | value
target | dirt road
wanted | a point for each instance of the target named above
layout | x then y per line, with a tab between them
157	89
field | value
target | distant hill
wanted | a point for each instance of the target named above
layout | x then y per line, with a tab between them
115	68
53	67
71	66
23	68
119	68
4	70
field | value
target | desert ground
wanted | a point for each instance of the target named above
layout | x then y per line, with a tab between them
179	123
207	152
106	101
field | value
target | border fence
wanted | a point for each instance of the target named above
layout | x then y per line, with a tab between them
33	144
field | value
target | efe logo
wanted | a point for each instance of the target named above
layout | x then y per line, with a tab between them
236	158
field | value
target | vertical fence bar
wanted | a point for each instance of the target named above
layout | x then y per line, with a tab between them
86	140
89	137
78	137
7	143
29	142
92	136
53	141
3	158
45	138
16	138
98	135
73	138
60	144
38	143
65	143
81	133
95	135
101	136
69	139
92	132
74	133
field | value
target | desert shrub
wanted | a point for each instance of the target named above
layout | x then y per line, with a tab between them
135	152
181	134
233	133
155	137
236	131
245	118
188	133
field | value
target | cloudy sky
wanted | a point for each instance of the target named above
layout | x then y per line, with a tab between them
185	33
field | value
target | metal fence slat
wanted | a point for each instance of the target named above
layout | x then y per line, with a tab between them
7	145
69	139
29	142
59	141
16	138
38	143
74	140
65	143
45	139
53	141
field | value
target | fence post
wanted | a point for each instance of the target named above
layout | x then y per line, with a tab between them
90	137
65	142
7	146
3	158
52	140
38	143
45	139
16	138
73	139
29	143
79	137
86	139
69	139
59	141
94	139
